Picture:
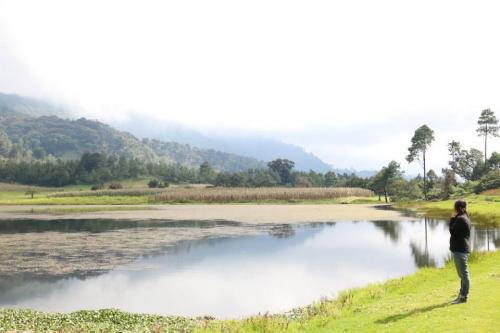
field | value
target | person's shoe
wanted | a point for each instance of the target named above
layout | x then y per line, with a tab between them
459	300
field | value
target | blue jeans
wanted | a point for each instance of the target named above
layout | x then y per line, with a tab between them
461	264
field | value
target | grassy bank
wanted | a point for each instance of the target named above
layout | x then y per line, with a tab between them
484	209
417	303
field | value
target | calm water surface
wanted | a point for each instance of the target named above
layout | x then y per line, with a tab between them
220	268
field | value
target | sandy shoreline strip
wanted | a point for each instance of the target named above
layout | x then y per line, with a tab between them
245	213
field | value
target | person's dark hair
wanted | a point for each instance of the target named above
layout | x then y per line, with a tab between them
461	207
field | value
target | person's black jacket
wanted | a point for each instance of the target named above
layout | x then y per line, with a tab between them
460	233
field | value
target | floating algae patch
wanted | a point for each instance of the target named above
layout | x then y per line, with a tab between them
62	248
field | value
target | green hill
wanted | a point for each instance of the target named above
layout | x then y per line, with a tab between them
33	129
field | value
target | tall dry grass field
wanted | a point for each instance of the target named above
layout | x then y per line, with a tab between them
127	192
237	194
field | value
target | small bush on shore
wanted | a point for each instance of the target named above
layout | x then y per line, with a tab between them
115	186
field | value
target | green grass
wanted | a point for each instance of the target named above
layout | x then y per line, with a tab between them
484	209
416	303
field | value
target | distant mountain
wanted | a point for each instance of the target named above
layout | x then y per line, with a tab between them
359	173
30	128
260	148
31	106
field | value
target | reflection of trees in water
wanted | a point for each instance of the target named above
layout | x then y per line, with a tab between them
282	231
432	223
485	238
482	237
102	225
422	257
496	238
392	229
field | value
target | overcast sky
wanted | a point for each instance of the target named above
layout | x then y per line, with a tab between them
347	80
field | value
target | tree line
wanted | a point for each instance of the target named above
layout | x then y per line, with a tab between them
479	171
98	168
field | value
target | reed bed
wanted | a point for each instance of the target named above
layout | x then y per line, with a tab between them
238	194
126	192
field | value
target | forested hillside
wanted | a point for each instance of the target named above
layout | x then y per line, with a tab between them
25	135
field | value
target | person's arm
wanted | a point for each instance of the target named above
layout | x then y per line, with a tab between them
452	222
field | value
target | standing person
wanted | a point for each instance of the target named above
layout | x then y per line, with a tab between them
460	226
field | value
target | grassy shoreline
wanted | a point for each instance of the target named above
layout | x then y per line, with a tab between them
415	303
483	209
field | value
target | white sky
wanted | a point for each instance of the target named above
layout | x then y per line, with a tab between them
347	80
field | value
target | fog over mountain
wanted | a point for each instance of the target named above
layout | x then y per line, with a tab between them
259	147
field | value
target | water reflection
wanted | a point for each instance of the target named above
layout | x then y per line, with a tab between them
483	238
101	225
224	270
282	231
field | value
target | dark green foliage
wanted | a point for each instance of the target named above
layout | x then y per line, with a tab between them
155	183
330	179
448	182
207	174
115	186
494	161
283	168
402	189
467	164
432	179
491	180
97	187
382	183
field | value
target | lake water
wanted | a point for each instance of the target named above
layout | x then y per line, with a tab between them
219	268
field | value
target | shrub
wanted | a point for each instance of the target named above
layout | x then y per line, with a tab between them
115	186
155	183
96	187
489	181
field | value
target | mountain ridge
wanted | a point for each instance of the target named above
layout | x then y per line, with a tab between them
32	130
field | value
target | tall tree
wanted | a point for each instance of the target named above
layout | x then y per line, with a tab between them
420	143
467	164
432	179
449	181
207	174
330	179
283	168
487	126
383	180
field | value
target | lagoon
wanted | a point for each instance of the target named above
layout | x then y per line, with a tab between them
209	267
